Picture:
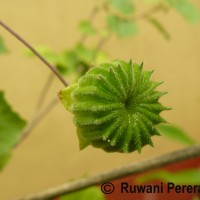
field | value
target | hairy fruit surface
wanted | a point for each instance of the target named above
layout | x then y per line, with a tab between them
115	107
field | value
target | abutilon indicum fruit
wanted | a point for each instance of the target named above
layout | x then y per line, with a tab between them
115	107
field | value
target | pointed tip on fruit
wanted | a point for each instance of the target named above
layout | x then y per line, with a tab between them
139	149
60	94
151	143
167	108
119	66
161	82
158	83
157	132
163	93
152	71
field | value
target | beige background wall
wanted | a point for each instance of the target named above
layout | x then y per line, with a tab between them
50	156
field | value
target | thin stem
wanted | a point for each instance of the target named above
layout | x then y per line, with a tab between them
51	67
37	118
44	92
91	19
149	12
131	169
99	46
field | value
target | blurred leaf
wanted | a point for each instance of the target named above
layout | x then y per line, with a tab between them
76	60
159	27
87	28
124	6
11	126
3	48
175	133
45	52
4	159
67	62
84	54
63	61
187	9
189	176
101	57
123	28
104	33
93	193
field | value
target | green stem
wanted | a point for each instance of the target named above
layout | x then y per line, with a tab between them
91	19
149	12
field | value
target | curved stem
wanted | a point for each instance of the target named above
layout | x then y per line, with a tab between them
131	169
51	67
44	92
37	118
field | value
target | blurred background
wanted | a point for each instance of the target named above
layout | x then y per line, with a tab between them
50	155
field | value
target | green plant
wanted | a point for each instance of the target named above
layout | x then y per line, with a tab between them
116	107
122	21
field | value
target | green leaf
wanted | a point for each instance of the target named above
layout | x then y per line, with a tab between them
124	6
4	158
66	96
3	48
101	57
104	33
83	53
159	27
186	9
11	126
175	133
87	28
65	62
189	176
123	28
45	52
93	193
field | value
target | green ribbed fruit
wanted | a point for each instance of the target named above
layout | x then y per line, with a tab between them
115	107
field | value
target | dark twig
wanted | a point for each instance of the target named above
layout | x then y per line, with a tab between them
131	169
51	67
